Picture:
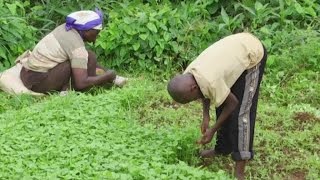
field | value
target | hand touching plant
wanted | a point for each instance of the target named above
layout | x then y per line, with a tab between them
207	136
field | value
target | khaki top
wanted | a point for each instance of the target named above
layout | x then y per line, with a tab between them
57	47
219	66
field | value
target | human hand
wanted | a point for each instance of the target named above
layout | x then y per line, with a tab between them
207	137
111	74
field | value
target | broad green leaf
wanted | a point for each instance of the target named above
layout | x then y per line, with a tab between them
281	5
214	8
224	16
163	26
267	43
258	6
265	30
62	12
128	29
166	36
127	20
12	8
143	36
250	10
161	43
123	52
152	42
152	27
175	46
159	50
310	11
2	53
221	26
136	46
299	8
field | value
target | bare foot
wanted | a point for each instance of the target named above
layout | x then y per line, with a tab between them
206	157
210	153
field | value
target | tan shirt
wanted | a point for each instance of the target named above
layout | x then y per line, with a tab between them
57	47
218	67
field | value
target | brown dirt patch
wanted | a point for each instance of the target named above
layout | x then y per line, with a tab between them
297	175
305	117
162	103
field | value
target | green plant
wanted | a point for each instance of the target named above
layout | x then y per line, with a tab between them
154	38
290	70
85	136
16	35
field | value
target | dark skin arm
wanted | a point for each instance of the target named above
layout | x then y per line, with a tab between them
83	81
206	115
230	105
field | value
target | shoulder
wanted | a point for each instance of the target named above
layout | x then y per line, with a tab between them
61	33
69	38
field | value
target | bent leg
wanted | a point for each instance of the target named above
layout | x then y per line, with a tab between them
244	128
53	80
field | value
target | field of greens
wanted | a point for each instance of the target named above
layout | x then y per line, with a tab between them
138	132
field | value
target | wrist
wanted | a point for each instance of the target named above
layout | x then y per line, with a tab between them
205	119
111	75
212	130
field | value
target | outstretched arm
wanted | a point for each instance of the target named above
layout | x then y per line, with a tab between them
206	115
229	106
83	81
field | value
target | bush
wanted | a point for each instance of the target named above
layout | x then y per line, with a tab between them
294	64
155	38
162	36
16	35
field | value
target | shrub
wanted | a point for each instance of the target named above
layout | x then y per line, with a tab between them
294	64
155	38
16	35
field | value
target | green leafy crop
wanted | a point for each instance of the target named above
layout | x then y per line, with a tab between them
86	136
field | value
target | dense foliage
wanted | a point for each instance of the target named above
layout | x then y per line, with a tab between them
138	133
16	35
158	36
94	137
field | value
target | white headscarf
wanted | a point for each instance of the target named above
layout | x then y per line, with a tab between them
84	20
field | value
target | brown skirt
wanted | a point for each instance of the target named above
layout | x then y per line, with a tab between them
44	82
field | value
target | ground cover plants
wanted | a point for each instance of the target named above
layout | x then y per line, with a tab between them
138	132
85	136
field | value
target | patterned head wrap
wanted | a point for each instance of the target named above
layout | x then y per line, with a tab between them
84	20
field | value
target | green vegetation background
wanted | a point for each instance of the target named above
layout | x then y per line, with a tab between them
137	132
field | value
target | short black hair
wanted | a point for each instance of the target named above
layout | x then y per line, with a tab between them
176	88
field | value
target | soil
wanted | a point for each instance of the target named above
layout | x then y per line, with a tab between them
302	118
166	104
305	117
298	175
